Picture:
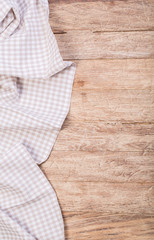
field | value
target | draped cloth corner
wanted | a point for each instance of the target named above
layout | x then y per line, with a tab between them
35	94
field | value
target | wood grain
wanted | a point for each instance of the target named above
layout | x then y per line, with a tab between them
111	198
114	74
81	166
116	105
98	45
100	136
102	163
103	15
93	225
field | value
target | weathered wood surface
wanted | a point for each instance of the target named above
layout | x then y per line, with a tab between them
114	74
100	136
105	15
113	105
85	225
112	198
102	163
89	45
91	166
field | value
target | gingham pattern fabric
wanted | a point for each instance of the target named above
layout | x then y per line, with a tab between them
35	94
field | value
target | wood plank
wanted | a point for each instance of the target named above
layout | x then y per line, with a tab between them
103	15
113	105
89	45
100	136
114	74
111	198
93	225
100	167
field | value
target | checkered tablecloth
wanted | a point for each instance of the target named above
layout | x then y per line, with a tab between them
35	94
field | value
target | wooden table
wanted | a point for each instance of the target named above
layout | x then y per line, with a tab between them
101	166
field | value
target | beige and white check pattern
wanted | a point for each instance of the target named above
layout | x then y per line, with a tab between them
35	94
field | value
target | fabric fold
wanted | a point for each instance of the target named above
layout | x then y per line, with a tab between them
27	198
12	230
9	18
30	51
35	95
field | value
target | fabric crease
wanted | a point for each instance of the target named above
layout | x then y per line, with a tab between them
35	95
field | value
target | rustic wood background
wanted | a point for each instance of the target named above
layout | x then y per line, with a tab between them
101	166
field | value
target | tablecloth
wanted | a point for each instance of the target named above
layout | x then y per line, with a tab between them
35	94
